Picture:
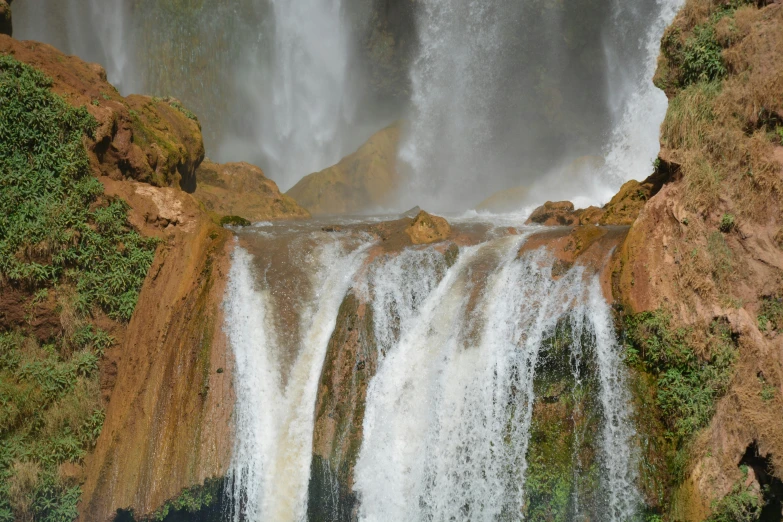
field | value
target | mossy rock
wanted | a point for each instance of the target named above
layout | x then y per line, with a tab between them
234	221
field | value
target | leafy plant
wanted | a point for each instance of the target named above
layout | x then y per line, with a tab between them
727	223
234	221
687	385
740	505
48	231
701	56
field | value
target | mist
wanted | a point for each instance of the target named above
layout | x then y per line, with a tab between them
556	97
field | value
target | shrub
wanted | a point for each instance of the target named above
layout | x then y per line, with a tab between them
727	223
234	221
687	386
48	231
701	56
740	505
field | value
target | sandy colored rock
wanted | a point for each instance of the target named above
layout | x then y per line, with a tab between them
677	256
169	412
427	228
364	181
558	213
507	200
241	189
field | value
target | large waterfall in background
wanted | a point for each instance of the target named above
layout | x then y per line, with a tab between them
501	93
270	80
478	360
510	93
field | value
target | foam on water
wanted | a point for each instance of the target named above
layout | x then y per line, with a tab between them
274	422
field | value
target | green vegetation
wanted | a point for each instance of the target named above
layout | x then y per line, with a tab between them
701	56
687	385
73	252
55	226
566	419
50	414
770	316
177	105
741	505
234	221
683	386
727	223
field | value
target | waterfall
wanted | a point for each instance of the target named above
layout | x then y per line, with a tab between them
448	416
270	80
274	410
510	93
94	30
301	103
639	106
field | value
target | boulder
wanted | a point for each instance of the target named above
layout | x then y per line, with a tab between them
558	213
427	228
241	189
5	18
364	181
148	139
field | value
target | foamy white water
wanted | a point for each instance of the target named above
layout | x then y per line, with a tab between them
640	107
448	415
270	466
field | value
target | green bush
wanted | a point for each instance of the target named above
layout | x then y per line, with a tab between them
727	223
740	505
55	225
701	59
234	221
59	235
687	386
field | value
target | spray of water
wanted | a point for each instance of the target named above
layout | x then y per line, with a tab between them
274	412
300	104
448	418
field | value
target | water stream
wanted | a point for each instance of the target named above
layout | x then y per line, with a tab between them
467	358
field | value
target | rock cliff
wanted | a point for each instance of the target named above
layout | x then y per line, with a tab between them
364	181
164	394
241	189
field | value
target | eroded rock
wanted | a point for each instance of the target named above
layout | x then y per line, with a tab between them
241	189
427	228
363	181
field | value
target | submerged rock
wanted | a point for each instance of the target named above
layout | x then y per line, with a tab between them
242	189
361	182
427	228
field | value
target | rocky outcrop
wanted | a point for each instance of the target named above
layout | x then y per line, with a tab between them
241	189
366	180
167	382
427	228
169	412
704	249
153	140
622	209
6	26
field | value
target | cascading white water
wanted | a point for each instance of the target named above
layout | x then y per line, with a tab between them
448	415
301	103
639	106
499	99
270	467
